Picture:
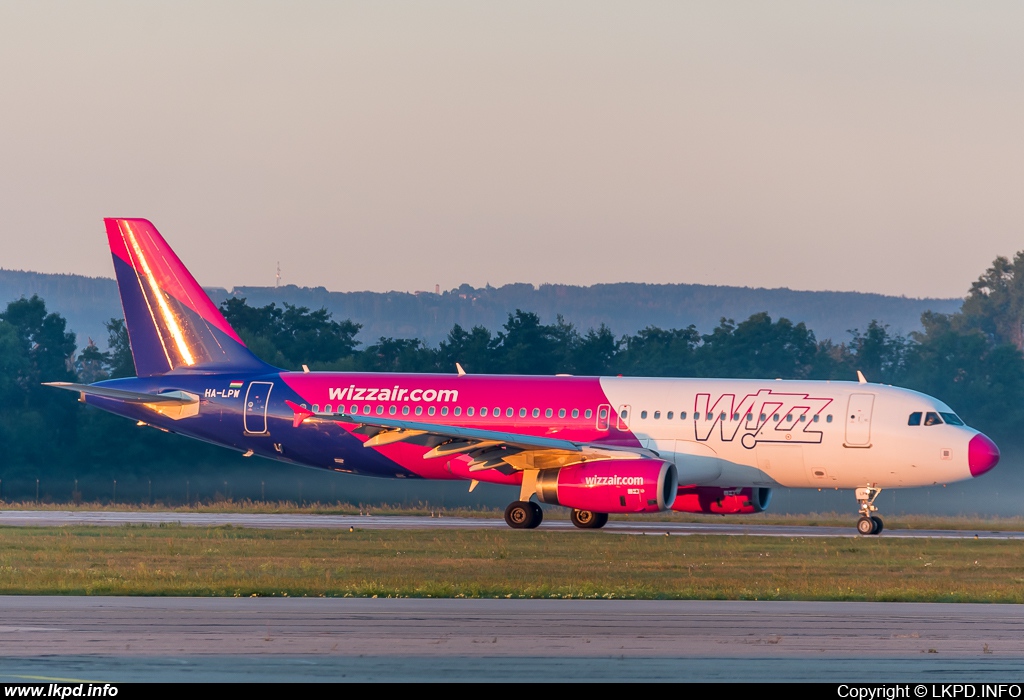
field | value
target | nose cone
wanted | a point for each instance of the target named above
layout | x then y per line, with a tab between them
982	455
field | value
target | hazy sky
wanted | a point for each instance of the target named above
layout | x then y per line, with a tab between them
871	146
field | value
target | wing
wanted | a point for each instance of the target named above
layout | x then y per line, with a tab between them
488	449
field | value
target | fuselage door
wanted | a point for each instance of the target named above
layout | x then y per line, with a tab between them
257	400
604	412
858	420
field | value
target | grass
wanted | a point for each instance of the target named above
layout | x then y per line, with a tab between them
892	522
174	560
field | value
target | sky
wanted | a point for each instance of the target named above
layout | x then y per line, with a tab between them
865	146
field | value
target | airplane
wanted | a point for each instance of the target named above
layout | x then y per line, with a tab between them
596	445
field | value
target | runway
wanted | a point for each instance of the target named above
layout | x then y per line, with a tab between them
276	639
40	518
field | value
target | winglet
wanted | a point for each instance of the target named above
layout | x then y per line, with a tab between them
458	367
301	413
860	377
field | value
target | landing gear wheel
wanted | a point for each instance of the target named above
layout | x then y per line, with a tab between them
865	526
523	515
879	525
588	519
868	524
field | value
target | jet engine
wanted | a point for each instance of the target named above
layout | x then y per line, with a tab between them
721	501
611	486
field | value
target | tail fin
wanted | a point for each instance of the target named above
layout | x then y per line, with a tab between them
172	324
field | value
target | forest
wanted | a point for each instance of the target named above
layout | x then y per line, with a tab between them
971	359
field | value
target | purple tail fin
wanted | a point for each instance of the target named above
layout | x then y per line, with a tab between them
172	324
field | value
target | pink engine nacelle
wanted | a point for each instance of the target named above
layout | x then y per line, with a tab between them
721	501
611	486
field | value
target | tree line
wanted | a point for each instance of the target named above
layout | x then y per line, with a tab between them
971	359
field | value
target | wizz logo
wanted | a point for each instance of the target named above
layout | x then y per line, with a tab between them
766	416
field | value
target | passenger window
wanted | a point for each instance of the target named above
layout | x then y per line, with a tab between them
828	418
696	415
316	408
522	413
588	413
735	416
789	417
536	413
430	411
668	416
444	410
776	418
803	417
750	416
915	418
405	410
952	418
483	412
643	415
366	410
682	415
380	410
353	409
722	416
657	415
548	413
392	410
327	409
419	410
932	418
469	411
561	413
815	418
458	410
575	413
622	414
509	412
764	417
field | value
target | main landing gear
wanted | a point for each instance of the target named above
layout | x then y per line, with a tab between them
588	519
523	515
868	524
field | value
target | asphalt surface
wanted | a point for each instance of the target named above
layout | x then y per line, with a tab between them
276	639
22	518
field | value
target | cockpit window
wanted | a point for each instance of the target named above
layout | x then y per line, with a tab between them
915	418
932	418
951	418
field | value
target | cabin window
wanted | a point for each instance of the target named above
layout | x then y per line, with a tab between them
548	413
682	415
803	417
392	410
915	418
789	417
588	413
657	415
483	412
775	417
643	415
316	408
696	415
536	413
575	413
458	410
735	416
444	410
419	410
750	416
469	411
828	418
327	409
380	410
509	412
764	417
353	409
522	413
622	414
668	416
815	418
951	418
366	410
722	416
932	418
561	413
431	411
405	410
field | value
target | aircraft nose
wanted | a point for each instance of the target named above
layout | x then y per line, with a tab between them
982	454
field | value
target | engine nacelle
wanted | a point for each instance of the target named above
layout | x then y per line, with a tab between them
721	501
611	486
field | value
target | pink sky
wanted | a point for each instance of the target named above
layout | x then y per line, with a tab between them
870	146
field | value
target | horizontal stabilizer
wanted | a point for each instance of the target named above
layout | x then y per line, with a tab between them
179	398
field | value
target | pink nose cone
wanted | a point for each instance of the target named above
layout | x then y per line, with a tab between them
982	455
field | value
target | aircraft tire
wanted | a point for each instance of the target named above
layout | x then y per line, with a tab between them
522	515
879	525
866	526
588	519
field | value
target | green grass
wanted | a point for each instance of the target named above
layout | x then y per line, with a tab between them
173	560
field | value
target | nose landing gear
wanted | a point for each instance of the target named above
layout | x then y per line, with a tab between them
868	524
